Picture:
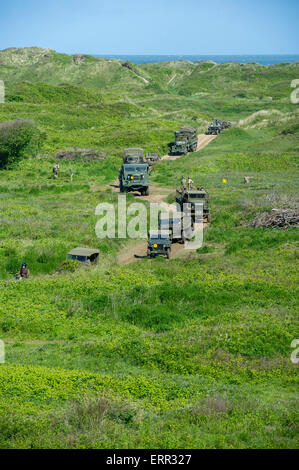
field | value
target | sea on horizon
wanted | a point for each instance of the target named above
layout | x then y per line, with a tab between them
259	59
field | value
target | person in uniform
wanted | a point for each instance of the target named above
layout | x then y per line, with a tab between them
24	271
190	183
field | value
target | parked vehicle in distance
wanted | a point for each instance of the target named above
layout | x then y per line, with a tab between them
84	255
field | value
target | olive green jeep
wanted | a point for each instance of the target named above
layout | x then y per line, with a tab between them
158	243
84	255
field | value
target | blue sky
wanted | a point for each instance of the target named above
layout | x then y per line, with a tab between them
152	26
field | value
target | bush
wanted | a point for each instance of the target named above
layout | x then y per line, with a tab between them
18	138
69	265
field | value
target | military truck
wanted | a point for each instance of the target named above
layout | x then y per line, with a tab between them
84	255
192	197
133	155
185	141
179	228
158	243
134	177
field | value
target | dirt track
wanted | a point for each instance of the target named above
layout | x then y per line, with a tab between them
137	249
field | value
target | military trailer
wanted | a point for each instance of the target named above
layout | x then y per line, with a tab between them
158	243
133	155
226	124
152	157
185	141
134	177
192	197
84	255
179	228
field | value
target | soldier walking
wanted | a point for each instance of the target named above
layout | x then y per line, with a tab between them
55	171
183	182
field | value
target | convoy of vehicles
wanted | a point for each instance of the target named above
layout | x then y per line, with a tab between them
134	176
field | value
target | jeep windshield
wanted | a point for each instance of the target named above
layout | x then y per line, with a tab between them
77	257
197	196
136	169
159	237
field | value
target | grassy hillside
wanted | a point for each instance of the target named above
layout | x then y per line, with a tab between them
193	352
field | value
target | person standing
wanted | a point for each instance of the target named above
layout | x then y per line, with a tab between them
55	171
190	183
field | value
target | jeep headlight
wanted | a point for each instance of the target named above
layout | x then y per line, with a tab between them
155	245
132	177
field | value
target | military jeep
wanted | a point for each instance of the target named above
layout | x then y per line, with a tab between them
185	141
134	177
158	243
179	228
193	197
133	155
84	255
215	127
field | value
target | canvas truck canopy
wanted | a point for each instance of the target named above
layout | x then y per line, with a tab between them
84	254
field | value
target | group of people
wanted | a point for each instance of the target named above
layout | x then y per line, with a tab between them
189	183
56	171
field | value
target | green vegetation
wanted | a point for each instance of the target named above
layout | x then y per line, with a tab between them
194	352
16	139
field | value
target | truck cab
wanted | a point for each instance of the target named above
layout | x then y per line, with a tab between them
134	177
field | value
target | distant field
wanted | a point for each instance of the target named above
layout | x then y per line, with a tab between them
188	353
